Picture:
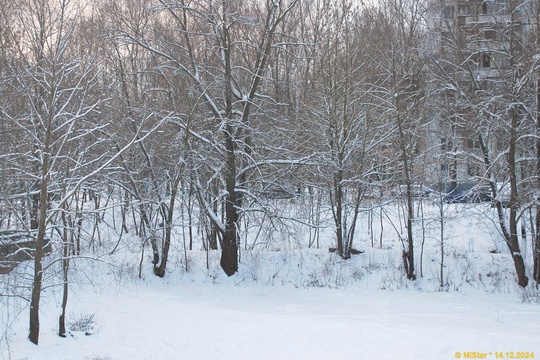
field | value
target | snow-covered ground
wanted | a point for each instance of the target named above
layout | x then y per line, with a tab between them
227	321
290	303
209	316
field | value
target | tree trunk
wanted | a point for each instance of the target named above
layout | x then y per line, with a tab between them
512	240
229	248
338	216
38	267
160	271
411	275
536	250
510	232
65	268
408	254
536	243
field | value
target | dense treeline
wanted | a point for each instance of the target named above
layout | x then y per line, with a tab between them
185	119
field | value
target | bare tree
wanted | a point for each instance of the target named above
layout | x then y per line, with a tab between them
214	52
341	109
485	67
56	100
400	91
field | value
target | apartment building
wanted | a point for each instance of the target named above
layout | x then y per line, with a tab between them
481	51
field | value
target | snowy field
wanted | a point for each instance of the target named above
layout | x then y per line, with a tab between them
291	303
227	321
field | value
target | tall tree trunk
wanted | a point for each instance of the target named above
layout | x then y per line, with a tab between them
229	248
40	239
160	271
510	232
68	238
536	244
65	270
512	240
338	216
408	254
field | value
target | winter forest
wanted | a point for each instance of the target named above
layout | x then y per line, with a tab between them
387	149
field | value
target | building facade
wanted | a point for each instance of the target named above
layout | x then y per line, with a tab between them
485	65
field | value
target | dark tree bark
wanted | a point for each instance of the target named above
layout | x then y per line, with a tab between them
512	238
536	243
510	232
160	270
408	253
40	239
229	246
